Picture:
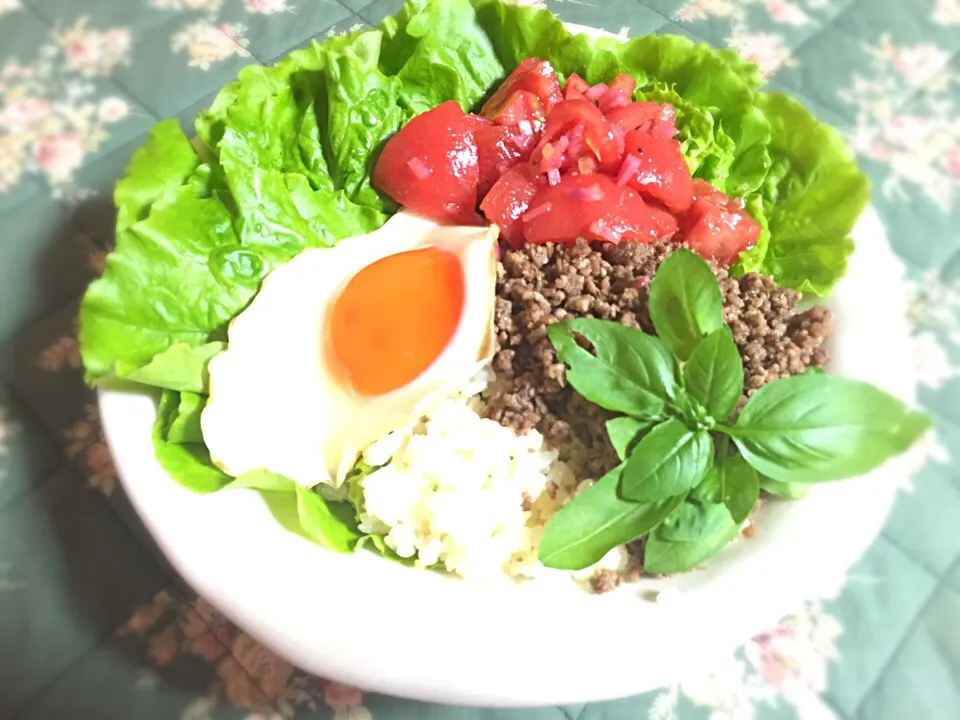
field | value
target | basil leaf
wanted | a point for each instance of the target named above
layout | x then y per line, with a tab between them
595	522
790	491
670	460
685	302
741	487
631	373
819	428
662	556
713	375
625	432
693	521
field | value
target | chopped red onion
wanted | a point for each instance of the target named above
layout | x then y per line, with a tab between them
574	140
553	176
537	212
525	127
603	231
586	165
590	194
596	92
417	167
642	282
628	169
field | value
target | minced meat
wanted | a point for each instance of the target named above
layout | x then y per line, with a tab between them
538	285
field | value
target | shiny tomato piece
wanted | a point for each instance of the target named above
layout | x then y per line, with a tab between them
499	148
509	199
531	75
522	110
575	88
625	83
662	173
430	166
716	226
596	208
651	117
600	138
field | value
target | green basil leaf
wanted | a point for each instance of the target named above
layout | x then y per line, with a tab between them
693	521
631	372
819	428
595	522
665	557
625	432
790	491
685	302
713	374
670	460
741	487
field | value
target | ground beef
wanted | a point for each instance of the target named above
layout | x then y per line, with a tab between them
604	581
538	285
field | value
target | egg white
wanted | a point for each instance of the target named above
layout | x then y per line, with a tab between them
276	404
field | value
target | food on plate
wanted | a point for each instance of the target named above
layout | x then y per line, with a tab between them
503	304
344	345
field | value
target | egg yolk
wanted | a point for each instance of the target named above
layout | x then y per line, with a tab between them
394	318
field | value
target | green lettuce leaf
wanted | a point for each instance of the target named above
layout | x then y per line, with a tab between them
180	367
304	511
812	202
187	463
176	277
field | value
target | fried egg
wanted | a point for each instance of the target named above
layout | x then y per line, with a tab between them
344	345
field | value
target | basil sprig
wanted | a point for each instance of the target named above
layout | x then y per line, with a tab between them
679	482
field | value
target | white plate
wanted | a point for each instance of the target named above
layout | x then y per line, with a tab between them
366	621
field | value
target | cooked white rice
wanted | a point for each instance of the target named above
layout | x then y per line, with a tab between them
462	492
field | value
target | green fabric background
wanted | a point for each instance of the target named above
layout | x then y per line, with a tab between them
94	624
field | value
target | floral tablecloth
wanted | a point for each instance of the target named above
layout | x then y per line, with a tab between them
94	624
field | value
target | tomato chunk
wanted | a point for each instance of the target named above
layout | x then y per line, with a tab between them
531	75
596	208
718	227
575	88
601	139
523	111
509	199
658	120
662	173
431	165
499	148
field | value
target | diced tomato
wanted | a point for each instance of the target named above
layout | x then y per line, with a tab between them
624	82
658	120
600	138
575	88
716	226
531	75
522	110
509	199
431	165
499	148
596	208
662	173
